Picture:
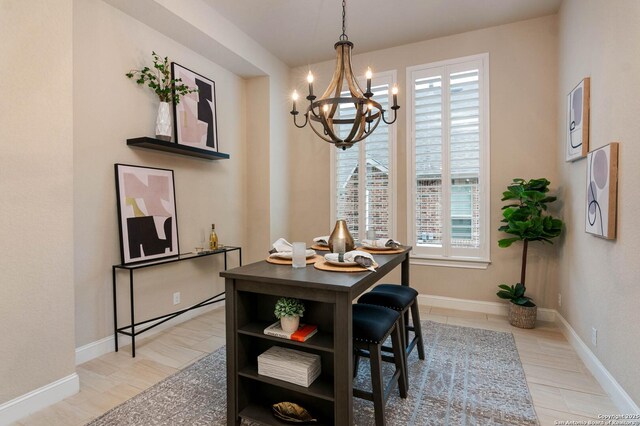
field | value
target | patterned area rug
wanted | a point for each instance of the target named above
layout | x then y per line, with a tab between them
469	377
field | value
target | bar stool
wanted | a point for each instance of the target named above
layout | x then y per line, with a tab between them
372	325
401	299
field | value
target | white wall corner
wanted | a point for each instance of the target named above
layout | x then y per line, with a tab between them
618	395
38	399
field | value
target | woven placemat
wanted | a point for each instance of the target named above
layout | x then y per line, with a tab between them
278	261
323	265
320	248
374	251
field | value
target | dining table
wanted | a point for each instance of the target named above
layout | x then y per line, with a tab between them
251	294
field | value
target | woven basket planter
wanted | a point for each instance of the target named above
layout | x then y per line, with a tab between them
522	316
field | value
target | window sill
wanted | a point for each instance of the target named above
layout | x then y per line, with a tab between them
465	263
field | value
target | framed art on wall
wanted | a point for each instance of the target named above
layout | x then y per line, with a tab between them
602	191
195	114
578	121
146	213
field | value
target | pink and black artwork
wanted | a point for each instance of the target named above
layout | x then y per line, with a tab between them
195	114
146	213
602	191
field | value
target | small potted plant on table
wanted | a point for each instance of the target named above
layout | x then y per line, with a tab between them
289	311
525	220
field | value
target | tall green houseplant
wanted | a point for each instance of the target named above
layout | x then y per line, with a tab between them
524	218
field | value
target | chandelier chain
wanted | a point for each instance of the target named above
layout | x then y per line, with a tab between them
344	18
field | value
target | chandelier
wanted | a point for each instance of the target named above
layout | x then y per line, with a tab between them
321	112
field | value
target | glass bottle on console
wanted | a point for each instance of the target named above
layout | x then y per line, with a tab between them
213	238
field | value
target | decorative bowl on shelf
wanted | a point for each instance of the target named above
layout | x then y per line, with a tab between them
290	412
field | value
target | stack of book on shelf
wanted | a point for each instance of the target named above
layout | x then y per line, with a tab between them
301	334
289	365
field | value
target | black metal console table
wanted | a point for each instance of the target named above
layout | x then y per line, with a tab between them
163	318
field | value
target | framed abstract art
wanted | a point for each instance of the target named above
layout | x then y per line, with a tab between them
602	191
146	213
578	121
195	115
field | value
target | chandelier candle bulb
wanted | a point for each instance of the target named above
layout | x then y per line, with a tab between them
310	81
394	91
295	98
369	74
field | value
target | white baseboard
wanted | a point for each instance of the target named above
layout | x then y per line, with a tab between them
38	399
103	346
618	395
496	308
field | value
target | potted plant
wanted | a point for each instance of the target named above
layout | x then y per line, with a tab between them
525	220
289	311
168	89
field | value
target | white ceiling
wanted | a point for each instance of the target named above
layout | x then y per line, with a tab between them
301	32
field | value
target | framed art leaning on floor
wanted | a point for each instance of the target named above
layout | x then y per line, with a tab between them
146	213
195	114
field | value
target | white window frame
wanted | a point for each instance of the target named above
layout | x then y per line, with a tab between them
379	78
445	255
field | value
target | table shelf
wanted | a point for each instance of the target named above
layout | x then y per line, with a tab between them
321	341
322	387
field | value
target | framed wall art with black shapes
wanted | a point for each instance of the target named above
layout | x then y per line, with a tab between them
602	191
578	121
195	114
146	213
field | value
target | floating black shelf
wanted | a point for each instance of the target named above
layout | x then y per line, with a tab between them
174	148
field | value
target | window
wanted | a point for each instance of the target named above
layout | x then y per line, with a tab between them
448	161
363	175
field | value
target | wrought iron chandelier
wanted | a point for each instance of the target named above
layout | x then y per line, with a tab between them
321	113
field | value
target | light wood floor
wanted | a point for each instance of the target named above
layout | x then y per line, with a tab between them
561	386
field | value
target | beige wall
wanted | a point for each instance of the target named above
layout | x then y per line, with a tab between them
523	80
36	172
599	278
108	109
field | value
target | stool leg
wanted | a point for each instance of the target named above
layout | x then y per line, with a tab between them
417	328
399	357
377	384
356	361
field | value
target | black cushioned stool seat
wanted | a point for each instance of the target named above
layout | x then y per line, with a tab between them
401	299
372	325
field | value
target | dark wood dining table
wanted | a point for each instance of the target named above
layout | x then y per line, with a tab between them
251	293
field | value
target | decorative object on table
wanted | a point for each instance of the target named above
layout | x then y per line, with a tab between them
342	237
329	126
351	258
283	249
381	244
524	218
213	238
602	191
301	334
321	243
289	311
146	213
371	234
290	412
167	88
289	365
578	121
298	255
195	117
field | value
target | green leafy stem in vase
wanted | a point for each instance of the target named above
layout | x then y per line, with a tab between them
159	80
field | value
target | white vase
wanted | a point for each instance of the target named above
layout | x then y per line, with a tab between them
290	324
163	122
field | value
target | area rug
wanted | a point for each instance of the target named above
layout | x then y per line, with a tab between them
469	377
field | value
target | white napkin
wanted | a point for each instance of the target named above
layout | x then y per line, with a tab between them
322	241
381	243
284	250
362	258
